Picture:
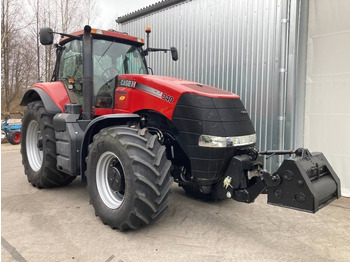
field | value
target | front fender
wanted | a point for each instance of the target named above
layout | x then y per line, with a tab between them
96	126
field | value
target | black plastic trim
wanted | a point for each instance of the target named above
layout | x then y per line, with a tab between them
68	134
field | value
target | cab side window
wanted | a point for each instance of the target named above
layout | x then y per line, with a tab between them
71	67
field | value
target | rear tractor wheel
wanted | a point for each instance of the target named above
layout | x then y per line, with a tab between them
38	148
128	177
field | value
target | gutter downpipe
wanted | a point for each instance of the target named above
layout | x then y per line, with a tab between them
283	76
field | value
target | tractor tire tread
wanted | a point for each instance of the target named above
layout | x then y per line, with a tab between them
151	179
48	175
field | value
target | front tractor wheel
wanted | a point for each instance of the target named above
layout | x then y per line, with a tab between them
38	148
128	177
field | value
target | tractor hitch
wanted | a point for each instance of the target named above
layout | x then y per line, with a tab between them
305	182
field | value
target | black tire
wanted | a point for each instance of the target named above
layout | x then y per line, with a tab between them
14	137
38	148
128	177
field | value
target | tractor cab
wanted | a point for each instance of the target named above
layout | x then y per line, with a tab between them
107	55
113	54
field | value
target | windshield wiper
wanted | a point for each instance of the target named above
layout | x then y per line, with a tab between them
106	51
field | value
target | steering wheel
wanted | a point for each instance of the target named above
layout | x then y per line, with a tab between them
109	73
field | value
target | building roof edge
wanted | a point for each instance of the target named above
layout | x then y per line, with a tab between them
148	10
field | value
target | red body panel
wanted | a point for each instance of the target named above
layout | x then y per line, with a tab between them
137	41
166	92
56	91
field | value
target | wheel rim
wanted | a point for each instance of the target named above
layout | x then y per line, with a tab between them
17	137
110	180
33	142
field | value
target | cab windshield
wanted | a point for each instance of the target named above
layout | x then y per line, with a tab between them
111	59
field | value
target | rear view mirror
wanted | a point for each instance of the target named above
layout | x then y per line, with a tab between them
46	36
173	50
174	53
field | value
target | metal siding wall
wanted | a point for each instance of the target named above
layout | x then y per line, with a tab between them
235	45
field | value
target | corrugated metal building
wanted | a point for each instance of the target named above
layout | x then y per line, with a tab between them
254	48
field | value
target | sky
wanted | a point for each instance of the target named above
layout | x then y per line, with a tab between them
109	10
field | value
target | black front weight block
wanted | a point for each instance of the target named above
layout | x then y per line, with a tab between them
307	183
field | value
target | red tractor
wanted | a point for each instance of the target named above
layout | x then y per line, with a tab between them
131	134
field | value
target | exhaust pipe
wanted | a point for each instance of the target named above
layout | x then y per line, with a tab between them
88	84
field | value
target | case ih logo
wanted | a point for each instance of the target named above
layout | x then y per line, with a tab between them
127	83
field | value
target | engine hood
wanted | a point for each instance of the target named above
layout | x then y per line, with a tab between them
136	93
178	86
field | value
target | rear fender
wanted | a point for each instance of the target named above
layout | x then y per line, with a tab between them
97	125
54	96
35	94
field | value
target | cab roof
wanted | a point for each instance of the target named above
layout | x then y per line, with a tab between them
107	34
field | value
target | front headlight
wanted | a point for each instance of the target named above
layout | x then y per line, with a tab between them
218	141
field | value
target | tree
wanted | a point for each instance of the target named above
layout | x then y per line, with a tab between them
75	13
14	54
24	60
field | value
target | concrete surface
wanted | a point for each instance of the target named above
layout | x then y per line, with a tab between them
60	225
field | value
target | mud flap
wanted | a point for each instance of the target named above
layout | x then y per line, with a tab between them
306	182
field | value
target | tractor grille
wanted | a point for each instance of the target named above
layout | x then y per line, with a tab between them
196	115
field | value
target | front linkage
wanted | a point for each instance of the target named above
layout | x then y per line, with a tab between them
305	182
